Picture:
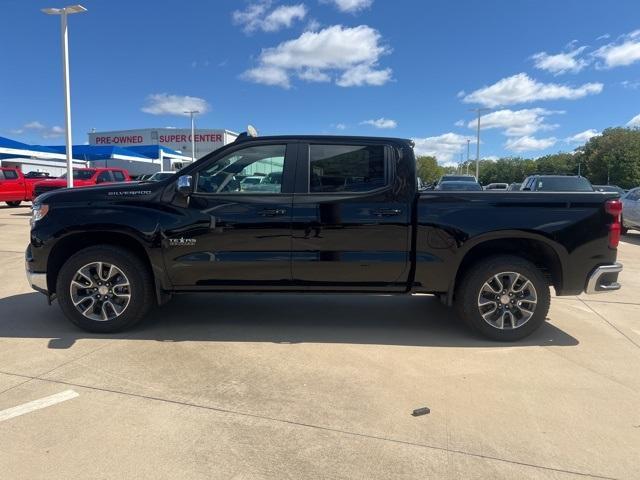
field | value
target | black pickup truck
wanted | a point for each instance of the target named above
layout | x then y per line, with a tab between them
319	214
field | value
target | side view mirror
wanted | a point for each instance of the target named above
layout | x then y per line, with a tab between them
185	185
526	189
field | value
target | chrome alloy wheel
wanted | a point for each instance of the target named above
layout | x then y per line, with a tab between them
507	300
100	291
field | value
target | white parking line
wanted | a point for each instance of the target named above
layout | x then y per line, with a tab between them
37	404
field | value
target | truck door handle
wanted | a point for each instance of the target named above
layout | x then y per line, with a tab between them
273	212
387	212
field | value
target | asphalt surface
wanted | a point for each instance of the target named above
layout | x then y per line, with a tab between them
302	387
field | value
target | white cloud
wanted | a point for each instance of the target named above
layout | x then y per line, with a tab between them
351	53
53	132
606	36
634	122
272	76
630	84
255	16
444	147
165	104
339	126
313	25
313	75
381	123
527	143
364	75
35	125
625	51
582	137
459	123
41	129
350	6
560	63
517	123
521	88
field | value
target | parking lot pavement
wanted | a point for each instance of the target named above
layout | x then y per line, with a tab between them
293	386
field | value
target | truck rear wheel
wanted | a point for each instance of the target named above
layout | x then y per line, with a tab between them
505	298
104	289
15	203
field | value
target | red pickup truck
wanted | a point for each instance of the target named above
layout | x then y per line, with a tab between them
15	188
83	177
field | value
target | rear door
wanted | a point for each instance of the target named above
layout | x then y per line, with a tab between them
351	221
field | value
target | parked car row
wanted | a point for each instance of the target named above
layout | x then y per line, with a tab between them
16	187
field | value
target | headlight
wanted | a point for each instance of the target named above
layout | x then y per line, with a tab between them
38	211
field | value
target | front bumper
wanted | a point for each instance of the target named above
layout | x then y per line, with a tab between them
37	280
604	279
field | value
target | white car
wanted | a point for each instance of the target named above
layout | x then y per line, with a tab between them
631	210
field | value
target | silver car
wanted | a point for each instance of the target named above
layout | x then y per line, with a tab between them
631	210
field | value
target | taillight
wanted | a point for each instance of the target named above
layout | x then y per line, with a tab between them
614	208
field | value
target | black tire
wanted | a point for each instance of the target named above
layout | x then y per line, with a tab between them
15	203
141	288
468	292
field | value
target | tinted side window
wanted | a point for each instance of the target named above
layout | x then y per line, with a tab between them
346	168
256	169
10	175
635	195
118	176
1	174
103	177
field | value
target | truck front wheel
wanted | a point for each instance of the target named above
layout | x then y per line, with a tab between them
505	298
14	203
104	289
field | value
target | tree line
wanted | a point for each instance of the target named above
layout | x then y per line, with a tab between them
610	158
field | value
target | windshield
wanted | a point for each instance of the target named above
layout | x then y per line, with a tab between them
563	184
81	174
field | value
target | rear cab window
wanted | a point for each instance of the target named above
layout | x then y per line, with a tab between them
10	175
346	168
118	176
566	184
104	177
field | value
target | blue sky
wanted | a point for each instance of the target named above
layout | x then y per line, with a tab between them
549	69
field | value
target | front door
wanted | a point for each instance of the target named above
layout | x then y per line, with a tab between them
236	230
351	218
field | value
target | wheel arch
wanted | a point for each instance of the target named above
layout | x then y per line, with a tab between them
543	253
74	242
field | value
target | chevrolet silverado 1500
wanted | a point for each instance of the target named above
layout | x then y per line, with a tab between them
340	215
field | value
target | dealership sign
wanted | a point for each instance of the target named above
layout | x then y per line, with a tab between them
174	138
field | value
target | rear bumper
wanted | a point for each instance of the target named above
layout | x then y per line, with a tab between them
604	279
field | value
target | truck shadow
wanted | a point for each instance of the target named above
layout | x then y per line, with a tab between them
355	319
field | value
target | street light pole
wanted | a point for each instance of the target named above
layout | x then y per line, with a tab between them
193	134
479	112
63	12
468	146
